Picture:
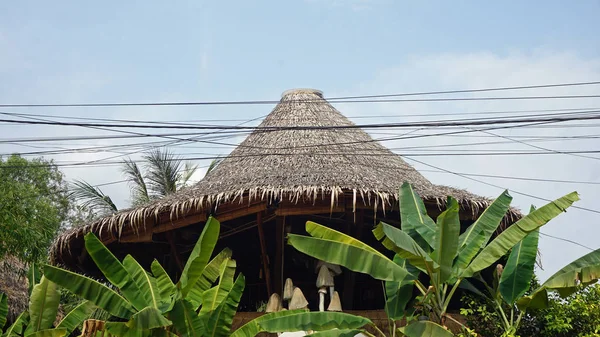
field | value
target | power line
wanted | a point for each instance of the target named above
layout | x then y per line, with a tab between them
566	240
346	99
316	127
497	186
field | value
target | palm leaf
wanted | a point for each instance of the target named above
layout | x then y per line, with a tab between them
90	290
162	171
200	255
43	306
92	197
188	171
516	232
139	190
114	271
517	274
413	215
583	271
213	165
76	316
480	232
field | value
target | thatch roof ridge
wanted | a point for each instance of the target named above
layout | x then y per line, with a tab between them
284	161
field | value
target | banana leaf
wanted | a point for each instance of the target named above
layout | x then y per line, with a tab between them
516	232
91	290
217	322
210	274
425	329
147	284
404	246
166	287
253	328
352	256
213	297
316	321
185	320
583	271
399	294
200	255
33	276
414	218
3	310
323	232
480	232
537	300
114	271
76	316
446	240
147	319
16	329
517	274
43	306
48	333
336	333
121	329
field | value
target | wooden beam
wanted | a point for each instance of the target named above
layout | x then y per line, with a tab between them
263	252
226	215
308	210
279	242
174	250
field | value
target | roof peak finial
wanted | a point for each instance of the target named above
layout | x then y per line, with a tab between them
303	91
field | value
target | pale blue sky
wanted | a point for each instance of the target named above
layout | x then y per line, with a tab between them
74	51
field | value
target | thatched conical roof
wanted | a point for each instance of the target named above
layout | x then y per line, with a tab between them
304	149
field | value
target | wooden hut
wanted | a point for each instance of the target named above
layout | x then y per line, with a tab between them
305	162
13	283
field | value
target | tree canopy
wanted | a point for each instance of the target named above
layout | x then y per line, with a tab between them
33	205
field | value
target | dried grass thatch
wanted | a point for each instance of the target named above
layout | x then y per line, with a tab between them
298	164
13	282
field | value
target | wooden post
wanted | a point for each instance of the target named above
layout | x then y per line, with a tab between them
354	223
263	252
169	235
279	242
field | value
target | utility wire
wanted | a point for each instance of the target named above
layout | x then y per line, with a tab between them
346	99
497	186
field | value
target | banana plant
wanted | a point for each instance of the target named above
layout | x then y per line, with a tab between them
436	248
511	282
38	320
151	304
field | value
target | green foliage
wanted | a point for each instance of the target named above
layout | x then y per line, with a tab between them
435	248
39	319
577	315
150	304
34	205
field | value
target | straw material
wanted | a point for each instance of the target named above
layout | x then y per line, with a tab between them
297	165
13	283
